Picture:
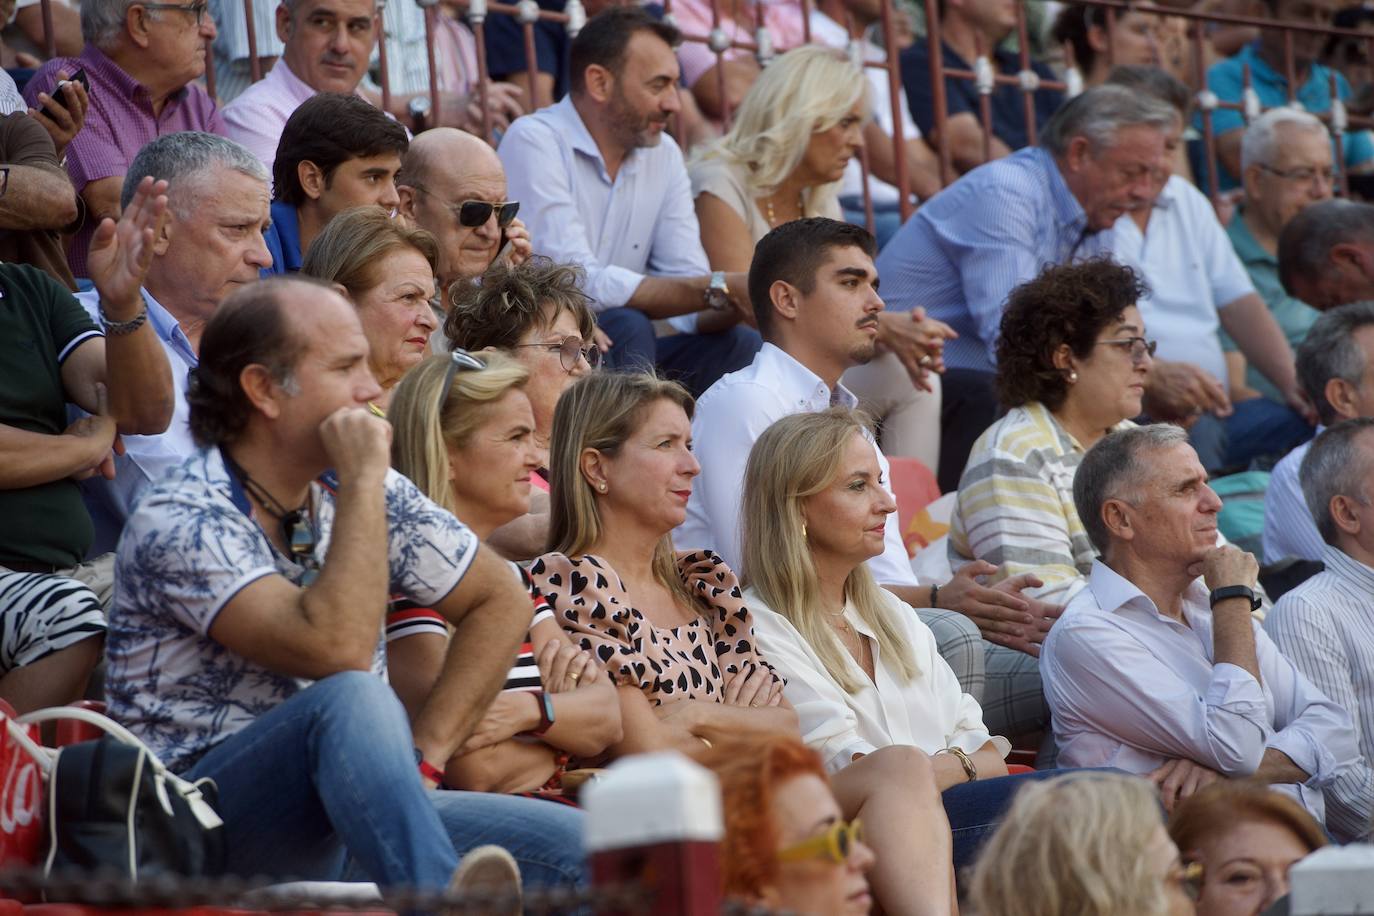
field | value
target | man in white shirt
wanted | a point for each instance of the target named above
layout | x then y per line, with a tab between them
1156	671
1326	624
210	243
1336	368
818	305
601	185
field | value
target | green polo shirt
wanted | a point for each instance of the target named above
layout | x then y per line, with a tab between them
41	324
1294	316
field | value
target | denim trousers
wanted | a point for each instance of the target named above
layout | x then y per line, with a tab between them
324	787
695	360
974	810
1256	428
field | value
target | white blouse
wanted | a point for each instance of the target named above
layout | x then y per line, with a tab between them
929	711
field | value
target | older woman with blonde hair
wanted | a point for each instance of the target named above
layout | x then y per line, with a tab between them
463	432
387	270
1082	844
674	632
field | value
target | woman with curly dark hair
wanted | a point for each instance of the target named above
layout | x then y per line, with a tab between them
1072	362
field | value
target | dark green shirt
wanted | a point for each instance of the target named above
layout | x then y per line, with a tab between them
41	324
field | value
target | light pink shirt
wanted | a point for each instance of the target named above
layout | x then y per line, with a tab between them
693	17
258	115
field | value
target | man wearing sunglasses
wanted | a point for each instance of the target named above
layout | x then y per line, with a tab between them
336	152
453	186
603	186
142	60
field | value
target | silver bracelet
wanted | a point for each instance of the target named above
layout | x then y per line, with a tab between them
120	328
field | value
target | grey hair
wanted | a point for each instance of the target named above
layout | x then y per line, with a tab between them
1329	351
183	159
1306	240
1112	468
1335	465
1102	111
102	21
1261	139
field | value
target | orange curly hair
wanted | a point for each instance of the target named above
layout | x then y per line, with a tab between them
749	773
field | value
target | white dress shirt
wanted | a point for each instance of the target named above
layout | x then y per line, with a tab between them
1187	259
1289	530
145	458
729	417
930	711
641	224
1131	688
1326	626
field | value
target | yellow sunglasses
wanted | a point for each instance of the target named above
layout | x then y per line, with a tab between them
836	844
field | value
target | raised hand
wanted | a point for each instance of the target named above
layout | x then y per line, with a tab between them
122	251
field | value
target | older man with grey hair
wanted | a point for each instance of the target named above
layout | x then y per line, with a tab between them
998	226
1334	365
210	243
1286	166
1326	253
142	60
1326	624
1158	667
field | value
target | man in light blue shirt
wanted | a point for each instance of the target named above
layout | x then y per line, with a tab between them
213	243
601	185
1001	224
1265	58
1336	368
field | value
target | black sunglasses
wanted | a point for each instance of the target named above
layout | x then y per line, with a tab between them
474	213
458	359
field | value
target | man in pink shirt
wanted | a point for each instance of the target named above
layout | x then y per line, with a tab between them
142	60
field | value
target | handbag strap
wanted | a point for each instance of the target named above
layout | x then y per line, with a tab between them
43	756
76	713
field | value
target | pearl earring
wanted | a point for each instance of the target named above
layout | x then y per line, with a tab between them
602	488
1073	377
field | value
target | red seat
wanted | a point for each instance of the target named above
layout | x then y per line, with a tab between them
914	487
1014	769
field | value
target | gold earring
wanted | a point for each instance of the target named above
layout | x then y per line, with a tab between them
803	529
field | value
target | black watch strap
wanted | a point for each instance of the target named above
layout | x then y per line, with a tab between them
1234	591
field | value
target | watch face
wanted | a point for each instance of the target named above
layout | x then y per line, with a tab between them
717	298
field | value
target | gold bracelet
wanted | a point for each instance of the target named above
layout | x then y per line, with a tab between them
970	770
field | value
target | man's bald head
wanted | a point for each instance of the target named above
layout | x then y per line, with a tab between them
443	168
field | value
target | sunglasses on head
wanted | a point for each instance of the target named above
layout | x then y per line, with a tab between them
835	845
458	359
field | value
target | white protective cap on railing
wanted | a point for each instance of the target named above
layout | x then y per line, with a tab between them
764	40
652	798
1340	120
527	11
982	75
577	16
1333	881
1073	82
477	11
1250	101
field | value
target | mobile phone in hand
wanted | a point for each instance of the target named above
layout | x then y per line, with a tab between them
78	77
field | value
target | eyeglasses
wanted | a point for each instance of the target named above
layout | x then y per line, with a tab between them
1190	878
197	10
1303	175
836	844
570	350
1139	347
458	359
474	213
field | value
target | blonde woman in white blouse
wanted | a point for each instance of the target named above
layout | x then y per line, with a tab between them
862	670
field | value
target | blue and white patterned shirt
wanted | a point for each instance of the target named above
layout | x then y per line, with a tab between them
1326	627
190	546
970	245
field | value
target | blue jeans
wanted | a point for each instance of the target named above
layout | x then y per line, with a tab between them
887	218
695	360
331	772
1256	428
974	810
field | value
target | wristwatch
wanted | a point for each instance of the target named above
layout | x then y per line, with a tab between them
717	294
1234	591
418	108
545	713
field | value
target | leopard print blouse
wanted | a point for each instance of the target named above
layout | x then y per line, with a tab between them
689	661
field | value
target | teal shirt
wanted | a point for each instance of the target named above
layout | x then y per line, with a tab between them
1226	79
1294	316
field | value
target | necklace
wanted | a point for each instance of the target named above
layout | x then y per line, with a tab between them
837	620
772	217
297	526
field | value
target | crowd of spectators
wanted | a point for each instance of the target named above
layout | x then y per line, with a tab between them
364	437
